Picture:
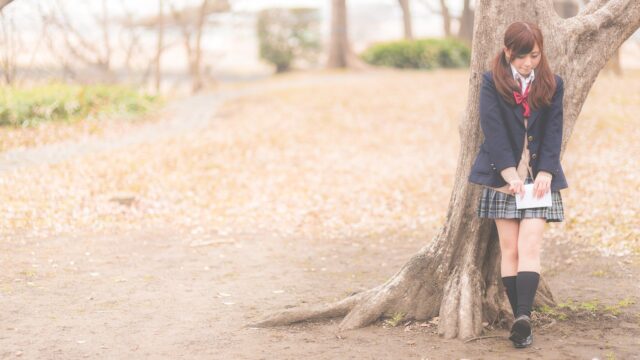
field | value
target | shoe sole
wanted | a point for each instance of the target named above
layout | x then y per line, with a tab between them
523	344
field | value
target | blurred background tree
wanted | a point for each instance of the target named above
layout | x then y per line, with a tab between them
289	34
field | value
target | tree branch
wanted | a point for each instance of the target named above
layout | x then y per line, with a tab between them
616	14
4	3
591	6
431	7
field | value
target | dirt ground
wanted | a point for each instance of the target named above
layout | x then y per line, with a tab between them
172	275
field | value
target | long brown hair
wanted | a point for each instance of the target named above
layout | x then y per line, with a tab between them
520	38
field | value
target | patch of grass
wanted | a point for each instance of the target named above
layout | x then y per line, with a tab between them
595	307
28	274
590	306
598	273
395	319
615	309
564	309
551	312
25	107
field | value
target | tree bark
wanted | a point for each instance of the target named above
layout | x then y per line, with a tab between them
465	32
340	53
193	42
406	19
446	18
613	64
457	275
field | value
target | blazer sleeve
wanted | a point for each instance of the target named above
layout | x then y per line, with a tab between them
493	127
552	139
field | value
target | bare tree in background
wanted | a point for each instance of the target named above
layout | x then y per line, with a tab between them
457	275
9	45
192	24
340	53
159	47
465	30
192	37
443	10
78	46
406	19
129	42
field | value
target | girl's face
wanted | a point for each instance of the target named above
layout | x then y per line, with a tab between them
525	63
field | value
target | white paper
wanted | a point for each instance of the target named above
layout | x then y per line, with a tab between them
529	201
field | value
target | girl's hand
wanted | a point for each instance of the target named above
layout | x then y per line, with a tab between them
517	187
542	184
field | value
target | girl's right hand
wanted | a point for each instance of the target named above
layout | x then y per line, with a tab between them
517	187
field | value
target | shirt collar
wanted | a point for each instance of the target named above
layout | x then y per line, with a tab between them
517	75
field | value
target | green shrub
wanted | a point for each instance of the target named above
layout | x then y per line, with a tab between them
419	54
63	102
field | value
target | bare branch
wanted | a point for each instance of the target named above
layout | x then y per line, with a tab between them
48	39
618	14
591	6
433	9
4	3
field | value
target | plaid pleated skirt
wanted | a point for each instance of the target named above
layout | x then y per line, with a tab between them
495	204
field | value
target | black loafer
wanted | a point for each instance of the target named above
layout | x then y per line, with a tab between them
521	331
526	342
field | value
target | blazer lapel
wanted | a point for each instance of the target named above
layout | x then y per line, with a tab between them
517	110
535	114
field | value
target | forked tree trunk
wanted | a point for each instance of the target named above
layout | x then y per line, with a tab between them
457	275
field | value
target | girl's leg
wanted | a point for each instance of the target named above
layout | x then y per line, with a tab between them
529	244
508	235
508	230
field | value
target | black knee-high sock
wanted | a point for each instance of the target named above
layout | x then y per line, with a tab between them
509	283
526	285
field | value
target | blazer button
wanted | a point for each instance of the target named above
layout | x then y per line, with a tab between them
533	156
530	138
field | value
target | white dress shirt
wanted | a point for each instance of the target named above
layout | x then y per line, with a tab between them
524	81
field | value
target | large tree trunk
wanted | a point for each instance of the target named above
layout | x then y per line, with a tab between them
340	53
457	275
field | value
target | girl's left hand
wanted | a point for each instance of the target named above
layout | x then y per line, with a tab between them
542	184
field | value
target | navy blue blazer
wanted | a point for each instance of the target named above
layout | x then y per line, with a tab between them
503	128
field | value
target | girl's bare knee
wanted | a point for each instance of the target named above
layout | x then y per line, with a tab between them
510	252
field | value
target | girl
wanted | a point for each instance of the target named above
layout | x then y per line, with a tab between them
521	119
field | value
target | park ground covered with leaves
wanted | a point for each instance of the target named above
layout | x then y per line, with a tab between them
333	178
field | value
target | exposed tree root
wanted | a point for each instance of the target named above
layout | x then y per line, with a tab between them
419	291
